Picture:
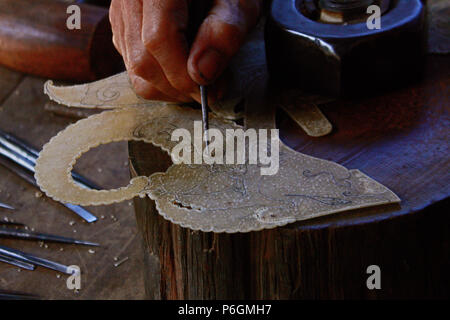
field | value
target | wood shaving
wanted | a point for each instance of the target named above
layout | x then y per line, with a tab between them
118	263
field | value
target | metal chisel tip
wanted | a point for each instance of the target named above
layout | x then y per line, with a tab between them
205	120
5	206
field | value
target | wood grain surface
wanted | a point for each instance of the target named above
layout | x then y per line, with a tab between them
22	113
399	138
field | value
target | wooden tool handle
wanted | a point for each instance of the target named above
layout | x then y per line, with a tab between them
34	39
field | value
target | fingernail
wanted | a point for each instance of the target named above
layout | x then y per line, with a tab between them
209	64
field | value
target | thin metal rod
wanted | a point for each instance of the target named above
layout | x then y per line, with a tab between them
17	263
6	206
16	296
29	156
28	235
29	258
205	118
14	167
20	143
12	224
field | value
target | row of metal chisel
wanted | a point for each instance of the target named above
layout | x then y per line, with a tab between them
20	158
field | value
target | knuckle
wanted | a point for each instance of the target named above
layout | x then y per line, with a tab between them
154	37
136	68
143	68
116	44
113	20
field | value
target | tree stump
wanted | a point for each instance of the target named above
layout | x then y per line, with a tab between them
400	139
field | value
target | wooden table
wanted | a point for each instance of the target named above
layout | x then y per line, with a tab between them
22	113
400	139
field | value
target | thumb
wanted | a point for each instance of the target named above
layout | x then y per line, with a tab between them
220	36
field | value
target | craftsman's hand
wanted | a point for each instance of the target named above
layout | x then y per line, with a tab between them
151	36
